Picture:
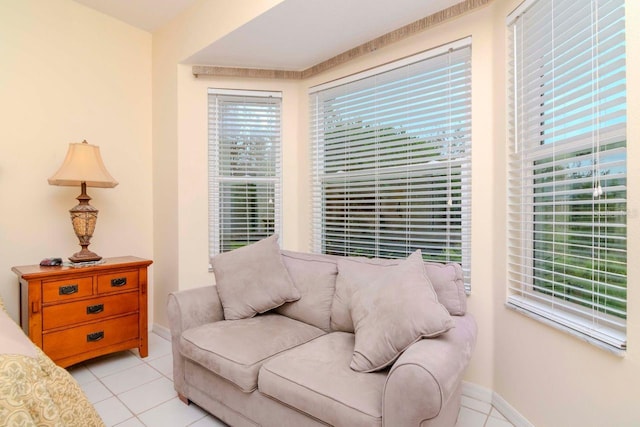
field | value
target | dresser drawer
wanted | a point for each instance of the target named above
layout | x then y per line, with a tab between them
67	289
72	313
117	282
90	337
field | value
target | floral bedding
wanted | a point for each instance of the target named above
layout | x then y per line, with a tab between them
34	391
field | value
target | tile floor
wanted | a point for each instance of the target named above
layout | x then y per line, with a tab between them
475	413
129	391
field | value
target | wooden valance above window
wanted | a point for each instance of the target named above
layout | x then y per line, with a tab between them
365	48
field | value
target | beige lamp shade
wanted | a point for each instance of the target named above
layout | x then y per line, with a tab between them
83	164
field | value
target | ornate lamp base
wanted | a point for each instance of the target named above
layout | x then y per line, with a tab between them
83	218
85	255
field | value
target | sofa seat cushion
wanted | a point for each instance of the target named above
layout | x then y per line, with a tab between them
236	349
315	378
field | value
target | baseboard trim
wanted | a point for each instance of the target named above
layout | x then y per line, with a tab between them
489	396
162	331
477	392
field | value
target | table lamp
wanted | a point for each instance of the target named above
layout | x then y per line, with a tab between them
83	166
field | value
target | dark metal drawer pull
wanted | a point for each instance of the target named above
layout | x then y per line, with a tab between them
67	290
95	336
95	309
120	281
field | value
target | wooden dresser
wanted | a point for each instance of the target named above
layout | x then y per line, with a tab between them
76	313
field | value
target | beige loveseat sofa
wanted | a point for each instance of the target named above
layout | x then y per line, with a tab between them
293	365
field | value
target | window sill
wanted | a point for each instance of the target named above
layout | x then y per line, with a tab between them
581	336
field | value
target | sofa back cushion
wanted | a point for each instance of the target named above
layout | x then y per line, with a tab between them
315	278
447	281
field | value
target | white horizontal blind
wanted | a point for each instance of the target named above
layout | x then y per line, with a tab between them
567	167
392	162
244	168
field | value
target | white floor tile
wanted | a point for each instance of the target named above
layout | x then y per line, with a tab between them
495	422
96	391
164	364
208	421
81	374
112	363
479	406
130	378
112	411
149	395
131	422
158	347
173	413
470	418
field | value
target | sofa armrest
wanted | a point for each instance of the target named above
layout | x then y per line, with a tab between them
193	307
188	309
427	376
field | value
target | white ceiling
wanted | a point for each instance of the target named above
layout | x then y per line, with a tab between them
293	35
147	15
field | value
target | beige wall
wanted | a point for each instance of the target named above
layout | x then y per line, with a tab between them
192	170
69	73
178	247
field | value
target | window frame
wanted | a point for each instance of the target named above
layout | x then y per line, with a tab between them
318	154
217	177
558	308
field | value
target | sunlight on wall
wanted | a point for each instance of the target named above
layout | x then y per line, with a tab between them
70	73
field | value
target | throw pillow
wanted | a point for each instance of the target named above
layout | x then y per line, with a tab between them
394	311
314	276
446	279
252	279
353	273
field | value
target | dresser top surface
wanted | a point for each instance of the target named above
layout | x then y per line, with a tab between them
34	271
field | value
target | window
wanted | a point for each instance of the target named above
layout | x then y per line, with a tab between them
567	167
391	159
244	167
